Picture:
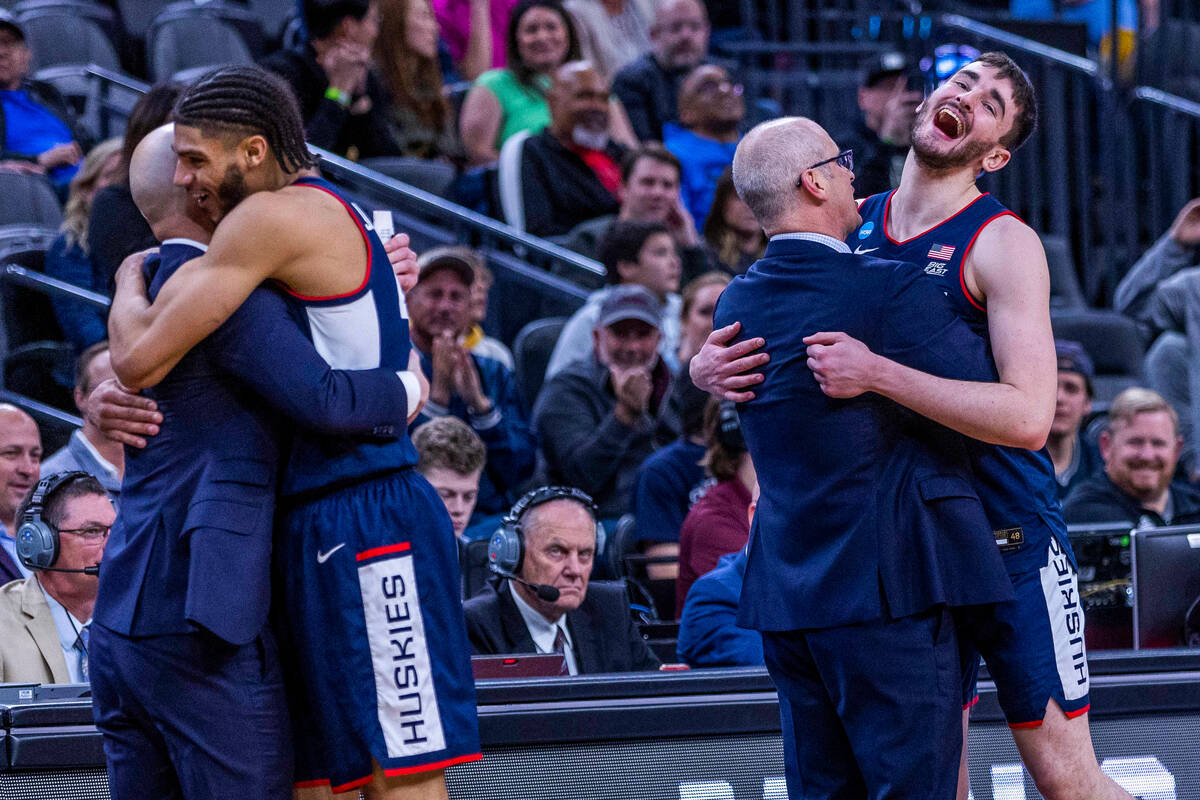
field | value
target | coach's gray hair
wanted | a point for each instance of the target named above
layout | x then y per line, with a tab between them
769	161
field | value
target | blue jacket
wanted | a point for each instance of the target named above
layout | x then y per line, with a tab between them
709	635
192	542
867	510
511	446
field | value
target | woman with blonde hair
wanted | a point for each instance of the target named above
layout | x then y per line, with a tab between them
68	259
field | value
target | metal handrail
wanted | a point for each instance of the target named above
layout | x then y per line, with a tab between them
340	170
1171	101
94	71
38	407
36	280
1071	60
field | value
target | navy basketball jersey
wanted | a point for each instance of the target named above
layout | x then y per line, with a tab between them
363	329
1017	486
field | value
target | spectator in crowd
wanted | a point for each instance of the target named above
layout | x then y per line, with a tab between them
1140	449
650	177
711	110
612	33
648	86
696	312
474	32
68	260
633	253
733	235
342	101
603	415
451	457
89	449
540	39
671	481
589	624
38	131
115	227
44	619
709	635
1162	292
1075	458
570	172
417	113
478	390
888	100
20	467
476	340
718	523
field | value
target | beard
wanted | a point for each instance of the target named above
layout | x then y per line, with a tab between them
589	138
232	189
961	155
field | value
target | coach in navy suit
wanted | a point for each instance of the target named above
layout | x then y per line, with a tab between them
867	529
187	686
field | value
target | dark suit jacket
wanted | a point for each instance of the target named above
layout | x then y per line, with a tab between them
604	636
559	189
867	510
192	542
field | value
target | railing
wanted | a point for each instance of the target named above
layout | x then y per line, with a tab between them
108	96
32	279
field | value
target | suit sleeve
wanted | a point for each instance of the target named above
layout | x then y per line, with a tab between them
708	631
264	348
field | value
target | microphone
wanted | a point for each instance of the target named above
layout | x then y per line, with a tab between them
544	592
92	570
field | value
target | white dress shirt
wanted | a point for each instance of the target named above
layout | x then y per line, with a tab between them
543	631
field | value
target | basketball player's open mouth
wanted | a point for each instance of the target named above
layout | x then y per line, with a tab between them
949	122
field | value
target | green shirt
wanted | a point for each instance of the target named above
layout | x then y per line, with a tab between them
521	108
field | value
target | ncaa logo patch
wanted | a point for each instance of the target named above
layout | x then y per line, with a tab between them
866	230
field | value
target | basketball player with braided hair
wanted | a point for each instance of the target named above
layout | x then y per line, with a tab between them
365	608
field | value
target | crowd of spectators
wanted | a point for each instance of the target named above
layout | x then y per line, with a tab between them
626	129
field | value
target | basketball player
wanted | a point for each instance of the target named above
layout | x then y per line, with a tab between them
367	569
993	271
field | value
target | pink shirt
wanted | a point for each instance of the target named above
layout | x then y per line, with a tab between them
454	21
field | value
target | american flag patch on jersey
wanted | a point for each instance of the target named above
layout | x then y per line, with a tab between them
942	252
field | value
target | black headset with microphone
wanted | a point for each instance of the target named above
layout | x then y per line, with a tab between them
38	543
506	549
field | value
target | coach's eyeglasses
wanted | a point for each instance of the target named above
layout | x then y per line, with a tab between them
844	159
91	533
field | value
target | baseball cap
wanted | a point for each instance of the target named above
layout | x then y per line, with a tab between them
1073	358
7	20
883	66
629	301
459	259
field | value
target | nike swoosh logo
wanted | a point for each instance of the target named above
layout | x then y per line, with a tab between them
323	557
858	251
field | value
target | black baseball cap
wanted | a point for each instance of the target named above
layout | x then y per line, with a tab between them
884	65
7	20
1073	358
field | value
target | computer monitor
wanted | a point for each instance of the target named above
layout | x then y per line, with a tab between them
1166	583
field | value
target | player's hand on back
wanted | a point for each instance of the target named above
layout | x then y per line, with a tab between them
842	365
122	415
403	260
726	370
129	275
1186	228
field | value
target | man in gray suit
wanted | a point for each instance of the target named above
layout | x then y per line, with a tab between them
44	619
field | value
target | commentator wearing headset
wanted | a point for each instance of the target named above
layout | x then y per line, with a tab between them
544	552
62	527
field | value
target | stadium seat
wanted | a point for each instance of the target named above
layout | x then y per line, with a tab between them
531	353
68	34
273	15
1065	292
137	15
38	370
512	201
1112	340
473	563
435	177
180	41
26	314
28	200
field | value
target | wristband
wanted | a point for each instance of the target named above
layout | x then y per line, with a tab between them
412	390
338	96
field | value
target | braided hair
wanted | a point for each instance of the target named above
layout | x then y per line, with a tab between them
248	100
